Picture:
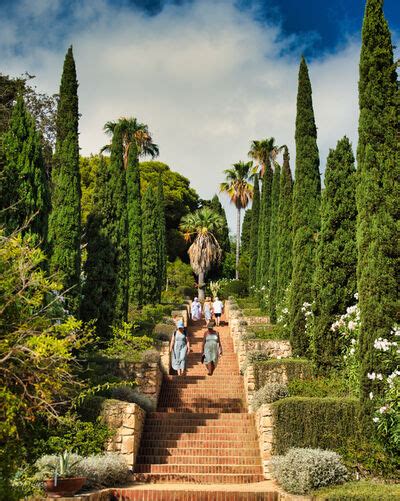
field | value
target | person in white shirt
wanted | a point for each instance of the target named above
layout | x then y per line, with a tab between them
218	308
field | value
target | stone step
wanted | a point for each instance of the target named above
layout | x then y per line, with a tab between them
210	434
203	410
227	417
195	452
142	494
195	443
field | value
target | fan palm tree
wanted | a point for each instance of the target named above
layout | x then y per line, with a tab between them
133	132
264	152
240	191
205	250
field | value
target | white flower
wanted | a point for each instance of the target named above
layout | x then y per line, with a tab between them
279	357
371	395
383	409
371	375
375	419
285	311
356	296
353	341
382	344
352	351
351	309
352	325
379	376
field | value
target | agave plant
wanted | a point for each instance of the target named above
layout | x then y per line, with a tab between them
205	249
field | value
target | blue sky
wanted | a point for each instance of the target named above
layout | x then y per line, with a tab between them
207	76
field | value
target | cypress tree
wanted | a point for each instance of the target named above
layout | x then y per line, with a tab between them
135	227
65	217
253	250
150	213
25	197
335	275
223	234
161	238
100	286
377	193
305	216
246	231
264	226
273	243
284	229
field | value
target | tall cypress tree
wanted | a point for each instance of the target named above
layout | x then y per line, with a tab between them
161	238
135	227
305	216
223	234
284	229
255	213
335	275
65	217
150	213
100	286
377	192
264	226
273	243
25	197
246	231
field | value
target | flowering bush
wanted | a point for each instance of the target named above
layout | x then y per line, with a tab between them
348	327
387	403
262	295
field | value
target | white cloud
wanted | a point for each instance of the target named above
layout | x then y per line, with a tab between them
205	77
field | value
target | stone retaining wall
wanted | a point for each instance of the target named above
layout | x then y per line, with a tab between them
127	420
265	432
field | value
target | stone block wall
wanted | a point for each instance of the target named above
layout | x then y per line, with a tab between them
265	432
271	347
127	420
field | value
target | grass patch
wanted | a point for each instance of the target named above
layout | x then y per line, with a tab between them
364	490
247	302
333	386
253	312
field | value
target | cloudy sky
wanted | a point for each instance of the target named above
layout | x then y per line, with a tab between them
207	76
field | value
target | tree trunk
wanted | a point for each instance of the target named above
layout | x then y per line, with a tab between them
237	243
201	289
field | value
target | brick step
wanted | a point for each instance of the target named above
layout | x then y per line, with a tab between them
215	436
192	378
194	495
199	468
215	402
194	443
202	410
197	452
200	394
209	478
157	417
211	460
188	427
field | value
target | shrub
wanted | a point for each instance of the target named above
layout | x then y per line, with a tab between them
150	356
70	433
105	470
128	394
186	291
125	345
232	288
49	463
302	470
163	331
264	332
333	386
313	422
268	394
294	368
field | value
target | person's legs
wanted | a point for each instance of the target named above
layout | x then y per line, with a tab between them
212	368
209	369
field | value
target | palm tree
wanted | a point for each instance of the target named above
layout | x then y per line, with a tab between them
133	132
264	152
205	249
240	191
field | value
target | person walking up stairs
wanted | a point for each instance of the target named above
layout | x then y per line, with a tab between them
201	431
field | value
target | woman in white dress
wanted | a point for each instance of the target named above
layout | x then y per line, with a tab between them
196	309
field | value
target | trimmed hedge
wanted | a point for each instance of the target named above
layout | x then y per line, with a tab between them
295	368
325	423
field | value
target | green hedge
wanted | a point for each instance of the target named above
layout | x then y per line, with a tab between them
325	423
364	490
295	368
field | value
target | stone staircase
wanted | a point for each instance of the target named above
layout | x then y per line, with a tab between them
201	432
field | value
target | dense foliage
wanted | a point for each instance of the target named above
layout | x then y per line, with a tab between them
305	214
284	257
335	274
246	231
24	187
264	225
377	196
253	246
65	217
273	244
